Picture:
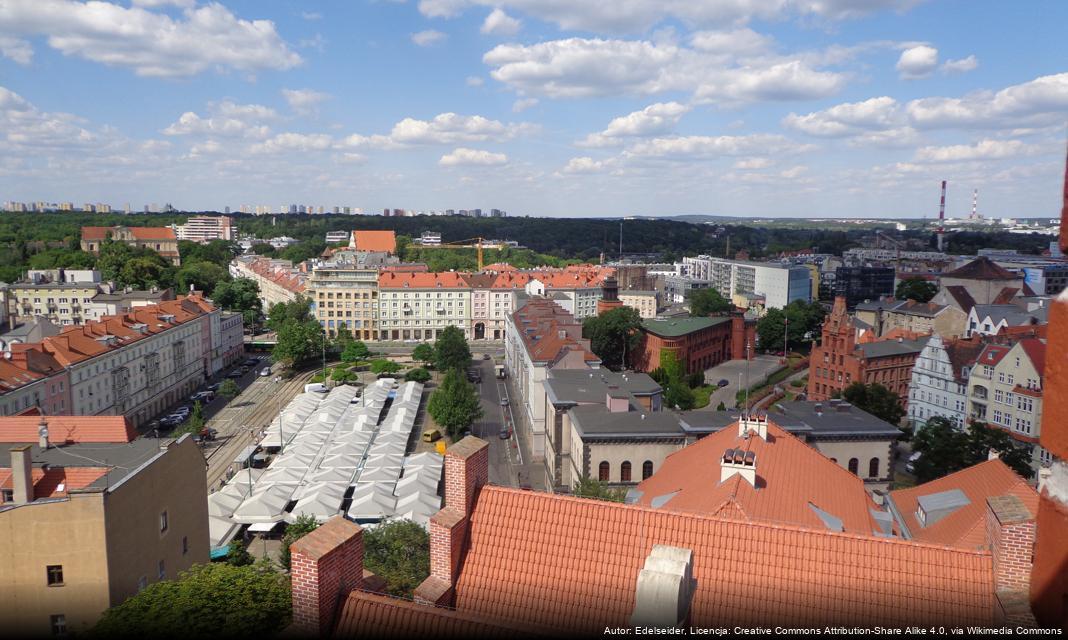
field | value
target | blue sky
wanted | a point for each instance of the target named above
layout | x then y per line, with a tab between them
852	108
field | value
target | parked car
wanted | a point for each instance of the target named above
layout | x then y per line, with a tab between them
504	401
251	362
724	382
213	387
430	435
473	375
265	372
235	374
910	466
505	433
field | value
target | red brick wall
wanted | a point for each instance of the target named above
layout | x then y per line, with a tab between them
322	572
699	350
466	471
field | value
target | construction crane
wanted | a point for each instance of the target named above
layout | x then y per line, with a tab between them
462	244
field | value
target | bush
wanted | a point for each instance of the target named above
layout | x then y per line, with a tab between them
318	378
418	374
695	380
797	384
383	365
300	528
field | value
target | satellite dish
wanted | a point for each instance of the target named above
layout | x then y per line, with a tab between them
42	430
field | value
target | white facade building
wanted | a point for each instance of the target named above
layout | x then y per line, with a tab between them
735	279
205	229
938	387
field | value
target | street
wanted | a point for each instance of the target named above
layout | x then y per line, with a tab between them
508	458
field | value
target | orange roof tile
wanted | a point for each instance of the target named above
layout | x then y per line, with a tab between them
421	280
68	429
549	332
140	233
396	618
964	527
572	564
376	240
55	482
792	477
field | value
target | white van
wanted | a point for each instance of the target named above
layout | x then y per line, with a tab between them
315	387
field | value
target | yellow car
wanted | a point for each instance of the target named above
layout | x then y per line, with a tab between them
430	435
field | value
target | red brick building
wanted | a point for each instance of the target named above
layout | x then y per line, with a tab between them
840	360
699	343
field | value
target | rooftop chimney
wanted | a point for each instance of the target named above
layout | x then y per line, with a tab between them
42	434
818	408
22	478
326	564
753	424
665	588
1010	531
738	461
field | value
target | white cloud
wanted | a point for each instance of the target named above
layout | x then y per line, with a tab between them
849	118
982	150
737	42
583	165
151	4
294	142
151	43
206	148
752	164
428	38
523	104
656	119
963	65
17	50
311	15
227	119
303	101
582	67
24	126
917	62
449	128
1039	102
690	147
500	23
633	16
474	81
463	157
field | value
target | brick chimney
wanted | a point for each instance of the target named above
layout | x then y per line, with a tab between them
21	475
466	471
1010	531
326	565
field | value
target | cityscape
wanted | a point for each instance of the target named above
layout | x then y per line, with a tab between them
781	349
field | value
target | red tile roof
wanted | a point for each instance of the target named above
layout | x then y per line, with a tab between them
139	233
375	240
395	618
421	280
992	354
572	564
792	477
1036	351
963	353
963	299
982	268
68	429
56	482
965	527
549	332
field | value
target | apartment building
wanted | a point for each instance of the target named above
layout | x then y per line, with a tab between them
939	384
644	302
204	229
887	314
111	301
990	319
335	237
1005	391
418	306
82	534
541	336
344	297
162	240
858	284
227	339
277	279
135	364
68	297
490	305
737	280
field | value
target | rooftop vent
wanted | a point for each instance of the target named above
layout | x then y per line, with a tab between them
818	408
665	588
740	462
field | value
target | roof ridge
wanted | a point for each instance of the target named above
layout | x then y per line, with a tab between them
984	463
764	524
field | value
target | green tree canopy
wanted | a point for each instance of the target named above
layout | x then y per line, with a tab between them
355	351
705	302
455	405
205	276
614	335
423	352
876	400
228	388
804	318
451	350
298	342
916	289
281	312
216	600
677	391
62	259
301	527
419	374
597	490
239	294
944	449
398	551
217	252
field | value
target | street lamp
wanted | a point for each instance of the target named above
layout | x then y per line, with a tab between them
785	334
248	460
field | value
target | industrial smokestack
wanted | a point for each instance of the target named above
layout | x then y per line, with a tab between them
975	205
942	217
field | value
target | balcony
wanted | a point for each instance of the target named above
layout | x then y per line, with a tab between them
979	393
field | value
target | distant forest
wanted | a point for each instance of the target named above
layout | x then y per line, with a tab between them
22	235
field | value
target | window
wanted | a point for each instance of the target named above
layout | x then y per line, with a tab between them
602	472
162	571
59	624
854	466
142	582
55	575
624	471
873	468
163	522
647	469
185	545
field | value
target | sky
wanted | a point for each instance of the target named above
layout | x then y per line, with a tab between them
791	108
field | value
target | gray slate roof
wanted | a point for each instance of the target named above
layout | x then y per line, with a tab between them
884	348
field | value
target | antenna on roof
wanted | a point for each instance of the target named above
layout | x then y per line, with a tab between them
745	408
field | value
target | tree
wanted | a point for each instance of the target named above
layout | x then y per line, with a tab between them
196	418
355	351
207	601
419	374
679	395
341	374
945	448
237	555
804	318
423	352
705	302
876	400
301	527
770	330
721	406
384	365
451	350
204	276
916	289
298	342
282	312
597	490
695	379
398	551
229	389
239	294
614	335
454	405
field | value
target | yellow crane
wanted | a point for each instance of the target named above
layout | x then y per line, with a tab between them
461	244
